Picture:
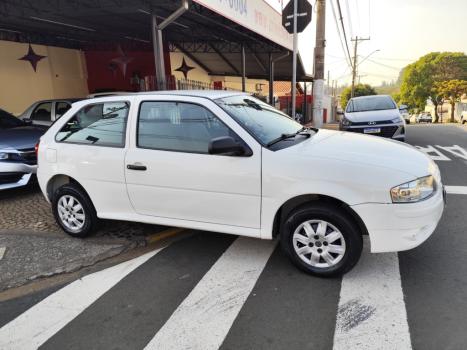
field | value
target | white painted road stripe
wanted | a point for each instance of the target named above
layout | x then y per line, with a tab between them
35	326
456	189
204	318
2	252
371	312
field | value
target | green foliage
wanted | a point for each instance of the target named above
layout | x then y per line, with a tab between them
420	77
360	90
451	90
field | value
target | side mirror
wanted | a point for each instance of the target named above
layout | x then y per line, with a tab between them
226	145
27	121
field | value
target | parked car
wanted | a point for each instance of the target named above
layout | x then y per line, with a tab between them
224	161
374	115
424	118
18	160
45	112
404	111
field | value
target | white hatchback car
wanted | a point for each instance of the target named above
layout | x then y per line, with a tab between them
227	162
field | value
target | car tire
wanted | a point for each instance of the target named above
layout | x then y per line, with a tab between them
349	240
74	211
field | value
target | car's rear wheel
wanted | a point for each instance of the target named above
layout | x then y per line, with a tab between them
74	211
322	240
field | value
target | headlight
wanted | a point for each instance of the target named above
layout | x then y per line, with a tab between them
396	120
414	191
3	156
346	122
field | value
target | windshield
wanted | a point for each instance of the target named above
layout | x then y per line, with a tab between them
8	121
373	103
261	120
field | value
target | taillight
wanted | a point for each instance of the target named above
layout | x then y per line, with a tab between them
36	148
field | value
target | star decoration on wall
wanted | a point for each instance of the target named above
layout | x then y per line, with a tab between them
184	68
32	58
122	60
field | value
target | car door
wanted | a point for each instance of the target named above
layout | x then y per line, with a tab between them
60	108
91	148
42	113
170	173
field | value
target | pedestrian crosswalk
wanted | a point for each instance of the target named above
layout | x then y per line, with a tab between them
212	291
206	315
31	329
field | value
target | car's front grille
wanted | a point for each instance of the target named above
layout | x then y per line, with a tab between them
380	122
9	178
27	156
386	131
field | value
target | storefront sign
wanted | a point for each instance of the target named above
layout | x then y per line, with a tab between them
256	15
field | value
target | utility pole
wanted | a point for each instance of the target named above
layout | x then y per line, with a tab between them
318	83
354	65
294	58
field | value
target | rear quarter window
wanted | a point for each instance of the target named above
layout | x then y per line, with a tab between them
101	124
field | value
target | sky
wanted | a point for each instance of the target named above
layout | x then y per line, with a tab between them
403	31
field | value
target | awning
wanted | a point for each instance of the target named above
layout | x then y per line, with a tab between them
212	40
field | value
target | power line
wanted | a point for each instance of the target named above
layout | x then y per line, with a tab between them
347	57
380	75
396	59
358	16
384	65
343	30
369	17
348	19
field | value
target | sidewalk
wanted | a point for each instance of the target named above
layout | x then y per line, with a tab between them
32	246
331	126
27	257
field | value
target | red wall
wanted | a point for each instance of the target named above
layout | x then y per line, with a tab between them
103	74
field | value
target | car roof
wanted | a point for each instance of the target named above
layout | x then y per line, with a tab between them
72	100
369	96
209	94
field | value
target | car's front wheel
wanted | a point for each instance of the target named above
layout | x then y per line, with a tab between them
74	211
322	240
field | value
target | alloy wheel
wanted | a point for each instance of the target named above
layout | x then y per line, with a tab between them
71	213
319	243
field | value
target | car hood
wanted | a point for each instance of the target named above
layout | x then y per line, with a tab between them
22	137
372	116
365	149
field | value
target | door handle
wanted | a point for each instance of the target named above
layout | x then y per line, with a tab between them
136	167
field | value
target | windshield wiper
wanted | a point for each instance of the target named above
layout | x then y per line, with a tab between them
288	136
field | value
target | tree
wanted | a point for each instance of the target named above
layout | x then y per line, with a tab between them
360	90
452	90
420	77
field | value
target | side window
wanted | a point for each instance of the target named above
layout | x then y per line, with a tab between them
61	108
178	126
102	124
42	112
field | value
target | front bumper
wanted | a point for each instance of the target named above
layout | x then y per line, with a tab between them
398	227
15	174
394	131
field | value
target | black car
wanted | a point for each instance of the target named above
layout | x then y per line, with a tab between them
18	160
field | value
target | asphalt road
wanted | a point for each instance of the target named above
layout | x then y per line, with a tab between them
212	291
